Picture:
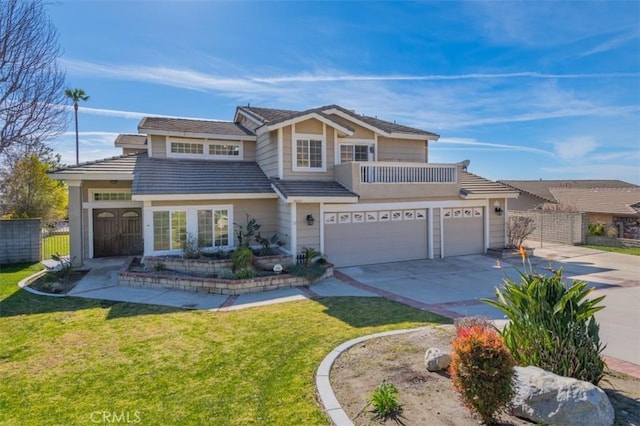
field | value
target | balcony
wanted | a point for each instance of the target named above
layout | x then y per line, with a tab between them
384	180
407	173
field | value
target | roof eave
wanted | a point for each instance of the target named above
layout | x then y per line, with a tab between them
484	195
203	196
197	135
67	175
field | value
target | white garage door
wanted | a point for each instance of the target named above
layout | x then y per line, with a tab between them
463	231
364	238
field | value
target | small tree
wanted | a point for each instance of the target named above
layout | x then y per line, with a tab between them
31	193
520	228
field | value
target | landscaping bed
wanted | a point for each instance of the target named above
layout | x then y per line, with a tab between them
211	276
429	398
56	282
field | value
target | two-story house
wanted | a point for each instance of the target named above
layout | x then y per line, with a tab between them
357	188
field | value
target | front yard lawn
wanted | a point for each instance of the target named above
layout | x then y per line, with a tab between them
70	360
624	250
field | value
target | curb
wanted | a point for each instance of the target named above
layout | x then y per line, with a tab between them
24	285
328	399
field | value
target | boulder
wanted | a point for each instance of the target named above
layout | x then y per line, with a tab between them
436	360
544	397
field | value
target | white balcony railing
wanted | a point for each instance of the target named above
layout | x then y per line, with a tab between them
407	173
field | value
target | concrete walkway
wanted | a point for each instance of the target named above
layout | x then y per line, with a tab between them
102	283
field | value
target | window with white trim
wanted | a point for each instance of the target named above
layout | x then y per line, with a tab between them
169	229
232	150
112	196
213	228
354	152
187	148
309	153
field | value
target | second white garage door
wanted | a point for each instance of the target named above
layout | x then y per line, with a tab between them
463	231
364	238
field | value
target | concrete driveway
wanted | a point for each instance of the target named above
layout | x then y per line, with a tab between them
452	285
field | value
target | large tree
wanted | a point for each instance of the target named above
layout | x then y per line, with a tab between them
31	82
31	193
76	95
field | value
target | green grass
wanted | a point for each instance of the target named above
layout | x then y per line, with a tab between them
624	250
63	359
55	244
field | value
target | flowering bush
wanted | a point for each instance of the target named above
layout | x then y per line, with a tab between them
482	371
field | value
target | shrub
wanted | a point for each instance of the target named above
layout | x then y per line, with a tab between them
482	371
245	234
384	400
468	322
190	249
519	229
310	255
242	258
551	326
225	273
596	229
244	274
311	273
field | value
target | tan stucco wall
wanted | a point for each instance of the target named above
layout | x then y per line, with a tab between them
401	150
497	228
284	223
75	235
437	233
308	236
158	146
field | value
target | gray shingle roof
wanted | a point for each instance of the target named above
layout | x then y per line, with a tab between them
620	201
274	116
540	188
121	165
154	176
126	139
181	125
311	188
474	184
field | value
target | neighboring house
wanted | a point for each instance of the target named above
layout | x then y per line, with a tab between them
357	188
609	202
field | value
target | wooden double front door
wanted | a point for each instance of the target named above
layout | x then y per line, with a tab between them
117	232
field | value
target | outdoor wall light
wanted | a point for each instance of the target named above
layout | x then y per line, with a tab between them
497	208
310	220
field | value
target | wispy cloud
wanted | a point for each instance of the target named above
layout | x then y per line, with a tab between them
474	143
195	80
133	114
611	44
575	147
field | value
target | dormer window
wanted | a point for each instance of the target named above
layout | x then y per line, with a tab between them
186	148
204	149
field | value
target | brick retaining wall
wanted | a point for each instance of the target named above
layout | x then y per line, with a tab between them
20	241
211	285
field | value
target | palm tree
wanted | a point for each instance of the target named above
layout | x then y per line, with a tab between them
76	95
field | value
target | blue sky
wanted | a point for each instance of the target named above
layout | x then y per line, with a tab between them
525	90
